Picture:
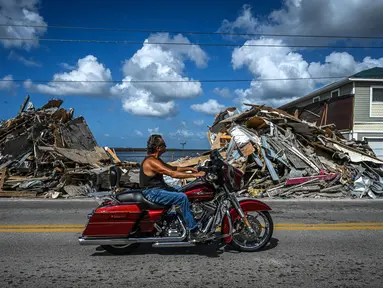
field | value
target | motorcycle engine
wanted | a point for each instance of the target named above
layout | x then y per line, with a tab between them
169	226
197	210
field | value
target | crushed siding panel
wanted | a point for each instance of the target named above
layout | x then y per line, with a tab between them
368	127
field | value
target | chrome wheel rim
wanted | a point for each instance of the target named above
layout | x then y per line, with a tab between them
260	224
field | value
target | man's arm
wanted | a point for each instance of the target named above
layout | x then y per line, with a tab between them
158	167
180	169
184	169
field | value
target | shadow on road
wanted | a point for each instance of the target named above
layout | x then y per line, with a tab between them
211	251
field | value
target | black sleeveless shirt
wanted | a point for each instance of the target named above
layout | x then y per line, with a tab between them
151	181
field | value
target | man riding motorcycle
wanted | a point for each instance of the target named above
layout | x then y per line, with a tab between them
156	190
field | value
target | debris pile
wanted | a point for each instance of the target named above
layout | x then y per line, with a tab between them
283	156
49	152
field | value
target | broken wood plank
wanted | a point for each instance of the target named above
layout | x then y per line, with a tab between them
270	167
291	189
18	194
248	149
82	156
5	165
355	155
114	156
217	142
22	107
300	180
2	180
194	161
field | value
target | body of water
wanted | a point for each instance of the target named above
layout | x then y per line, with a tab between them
138	156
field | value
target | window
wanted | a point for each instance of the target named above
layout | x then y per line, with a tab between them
316	99
376	101
335	93
377	95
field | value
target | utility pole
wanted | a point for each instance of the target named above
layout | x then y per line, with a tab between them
183	145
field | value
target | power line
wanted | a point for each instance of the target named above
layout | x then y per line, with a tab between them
184	43
174	81
190	32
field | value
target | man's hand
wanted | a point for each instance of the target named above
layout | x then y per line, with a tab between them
200	174
195	170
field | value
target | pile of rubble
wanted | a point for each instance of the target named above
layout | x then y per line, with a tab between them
283	156
49	152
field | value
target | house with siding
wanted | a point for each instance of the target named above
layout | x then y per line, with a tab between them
354	105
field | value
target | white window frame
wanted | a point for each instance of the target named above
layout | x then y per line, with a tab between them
336	90
318	97
371	89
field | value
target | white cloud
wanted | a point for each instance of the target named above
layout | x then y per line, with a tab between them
342	63
159	63
199	122
245	22
8	84
185	133
182	133
138	133
279	63
224	92
106	135
154	130
211	107
87	69
20	12
283	63
312	17
67	66
183	124
27	62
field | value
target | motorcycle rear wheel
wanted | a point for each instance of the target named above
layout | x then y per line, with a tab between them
243	241
120	249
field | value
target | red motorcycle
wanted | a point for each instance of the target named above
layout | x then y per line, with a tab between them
123	221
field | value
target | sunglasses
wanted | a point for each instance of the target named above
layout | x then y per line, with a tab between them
162	145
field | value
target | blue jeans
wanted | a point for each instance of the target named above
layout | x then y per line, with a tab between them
171	196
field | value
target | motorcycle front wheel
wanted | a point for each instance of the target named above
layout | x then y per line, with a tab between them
263	226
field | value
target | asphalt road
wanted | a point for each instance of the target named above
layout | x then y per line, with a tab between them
328	253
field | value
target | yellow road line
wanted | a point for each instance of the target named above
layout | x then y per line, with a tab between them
42	226
328	228
51	230
78	228
329	224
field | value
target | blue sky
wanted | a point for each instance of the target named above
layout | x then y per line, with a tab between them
124	114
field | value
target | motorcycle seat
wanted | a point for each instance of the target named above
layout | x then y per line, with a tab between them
135	196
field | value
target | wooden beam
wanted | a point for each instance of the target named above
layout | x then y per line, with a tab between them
22	107
114	156
2	180
18	194
193	161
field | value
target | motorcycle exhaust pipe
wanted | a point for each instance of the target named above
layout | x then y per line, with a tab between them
126	241
173	244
